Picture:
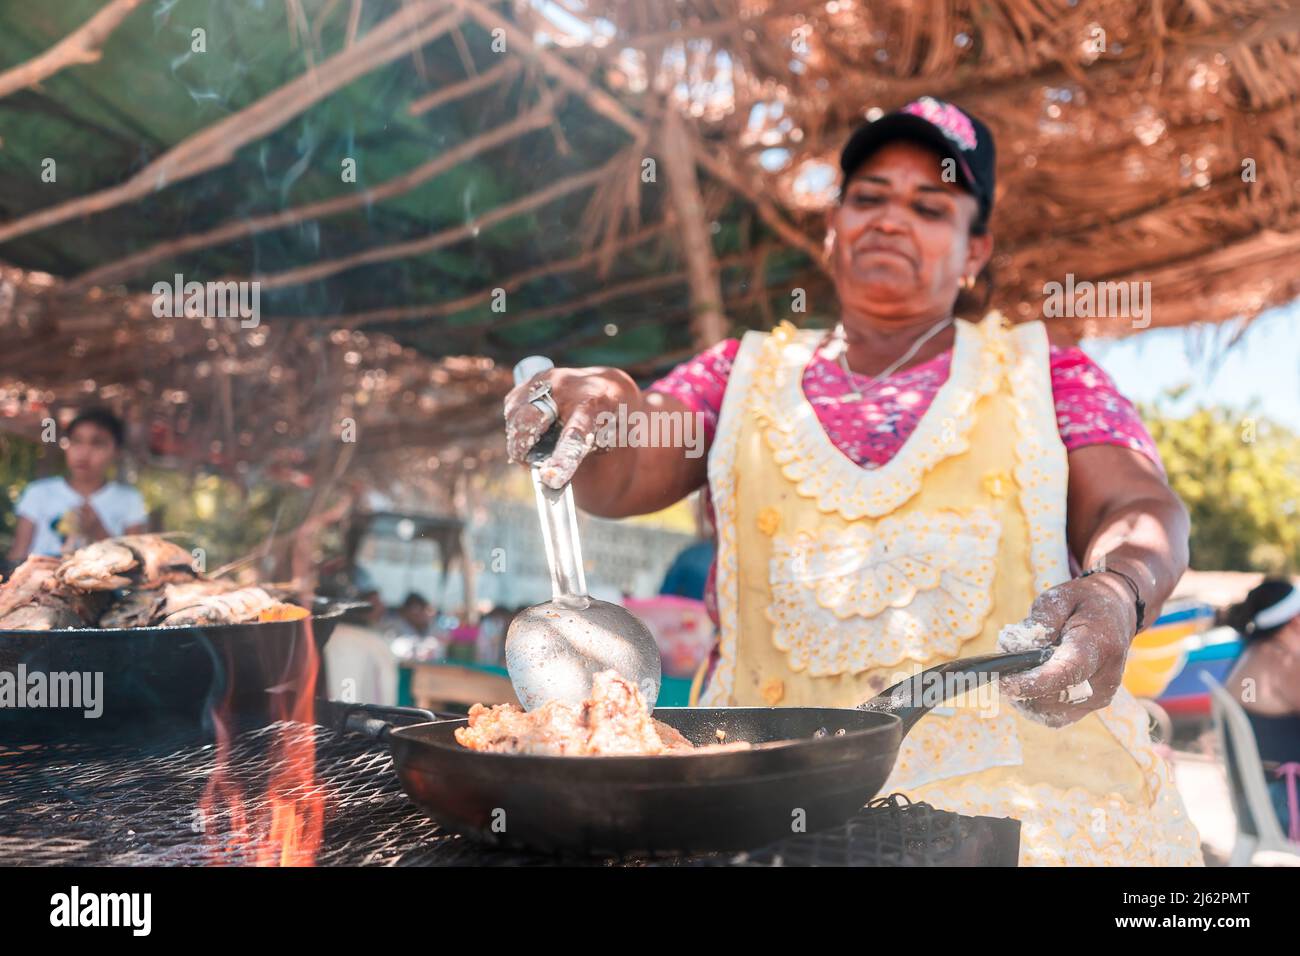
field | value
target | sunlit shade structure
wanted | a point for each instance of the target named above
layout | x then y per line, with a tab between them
425	191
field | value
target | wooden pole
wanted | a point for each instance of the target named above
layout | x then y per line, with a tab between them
130	266
463	498
633	287
80	46
436	310
708	324
610	108
518	42
728	171
215	145
502	71
425	244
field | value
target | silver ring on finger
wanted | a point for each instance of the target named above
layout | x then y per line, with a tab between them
1076	693
540	398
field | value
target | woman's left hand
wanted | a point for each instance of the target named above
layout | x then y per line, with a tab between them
1091	620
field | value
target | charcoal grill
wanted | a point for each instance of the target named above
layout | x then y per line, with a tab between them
115	802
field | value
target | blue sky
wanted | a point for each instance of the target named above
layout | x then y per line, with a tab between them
1261	372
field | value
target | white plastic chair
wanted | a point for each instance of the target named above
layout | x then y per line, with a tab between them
1246	780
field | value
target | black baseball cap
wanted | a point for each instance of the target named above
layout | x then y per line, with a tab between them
944	127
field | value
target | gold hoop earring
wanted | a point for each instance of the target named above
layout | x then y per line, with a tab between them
968	282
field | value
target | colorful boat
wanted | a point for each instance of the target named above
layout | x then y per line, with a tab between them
1160	653
1212	652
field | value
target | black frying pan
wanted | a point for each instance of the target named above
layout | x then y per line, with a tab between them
730	800
177	674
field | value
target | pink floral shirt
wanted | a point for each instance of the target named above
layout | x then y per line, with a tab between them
1089	410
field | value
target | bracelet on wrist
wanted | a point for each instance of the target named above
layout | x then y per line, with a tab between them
1137	594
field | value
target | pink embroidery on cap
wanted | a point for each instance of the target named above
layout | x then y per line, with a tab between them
954	123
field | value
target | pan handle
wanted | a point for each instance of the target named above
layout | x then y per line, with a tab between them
914	697
377	720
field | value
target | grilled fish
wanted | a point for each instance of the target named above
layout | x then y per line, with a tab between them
233	607
139	560
26	582
148	607
137	609
55	607
124	582
50	614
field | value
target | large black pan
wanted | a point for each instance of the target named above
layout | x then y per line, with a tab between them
800	772
166	673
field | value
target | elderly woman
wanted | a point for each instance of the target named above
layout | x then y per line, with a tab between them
891	494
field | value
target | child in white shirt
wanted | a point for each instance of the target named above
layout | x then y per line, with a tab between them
58	515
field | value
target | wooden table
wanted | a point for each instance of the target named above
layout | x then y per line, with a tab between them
448	686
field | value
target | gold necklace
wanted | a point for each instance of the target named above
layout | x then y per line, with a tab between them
854	395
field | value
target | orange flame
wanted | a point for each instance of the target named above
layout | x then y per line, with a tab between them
287	825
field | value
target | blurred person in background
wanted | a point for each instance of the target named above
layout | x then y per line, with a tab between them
688	575
58	515
410	629
359	662
373	616
689	572
1266	680
413	618
491	642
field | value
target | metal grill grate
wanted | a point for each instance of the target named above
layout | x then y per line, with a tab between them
115	804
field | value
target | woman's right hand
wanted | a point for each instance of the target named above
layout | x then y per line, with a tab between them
582	396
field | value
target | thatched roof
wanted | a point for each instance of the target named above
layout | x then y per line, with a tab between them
268	403
1124	129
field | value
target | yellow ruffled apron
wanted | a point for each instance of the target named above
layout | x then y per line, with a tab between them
835	581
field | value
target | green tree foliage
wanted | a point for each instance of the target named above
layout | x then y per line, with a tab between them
18	458
1239	475
219	515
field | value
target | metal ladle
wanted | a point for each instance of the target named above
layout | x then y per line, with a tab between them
554	649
